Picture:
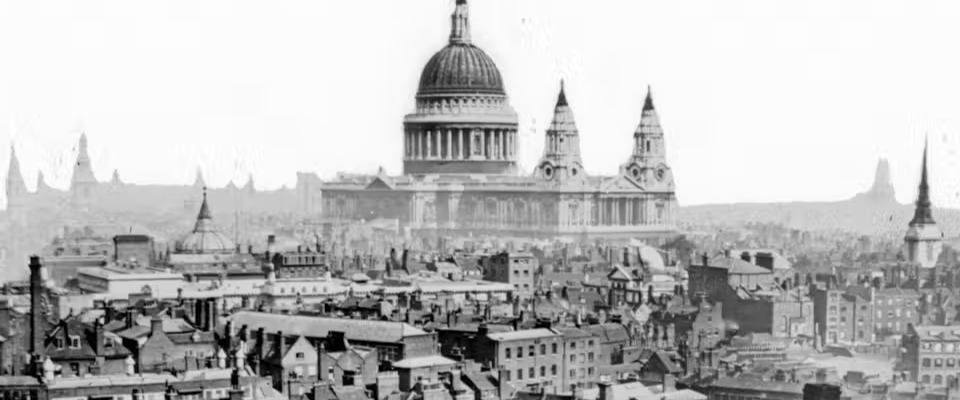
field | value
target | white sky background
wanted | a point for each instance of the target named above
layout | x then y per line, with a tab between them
761	100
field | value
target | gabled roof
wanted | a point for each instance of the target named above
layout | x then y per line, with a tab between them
737	266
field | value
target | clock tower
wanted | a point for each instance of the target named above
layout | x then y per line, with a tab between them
923	238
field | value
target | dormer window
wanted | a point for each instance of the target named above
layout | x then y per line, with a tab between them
59	343
74	342
108	343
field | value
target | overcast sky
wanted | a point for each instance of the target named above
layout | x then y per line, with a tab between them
760	100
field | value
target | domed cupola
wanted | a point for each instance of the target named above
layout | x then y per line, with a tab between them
463	122
205	238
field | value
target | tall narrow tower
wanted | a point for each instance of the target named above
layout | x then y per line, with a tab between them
561	161
16	189
83	182
923	238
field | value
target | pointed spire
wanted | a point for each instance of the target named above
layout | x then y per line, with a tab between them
562	98
563	121
648	103
116	177
923	213
205	217
41	182
649	120
460	27
15	185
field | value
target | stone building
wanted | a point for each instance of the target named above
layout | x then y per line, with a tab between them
530	359
460	165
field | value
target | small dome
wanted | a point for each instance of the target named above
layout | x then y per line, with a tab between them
206	238
461	68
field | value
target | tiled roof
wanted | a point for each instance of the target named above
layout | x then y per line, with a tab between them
354	329
609	332
737	266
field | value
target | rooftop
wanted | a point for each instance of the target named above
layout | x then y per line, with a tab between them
522	335
354	329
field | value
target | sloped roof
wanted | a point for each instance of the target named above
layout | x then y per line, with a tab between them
737	266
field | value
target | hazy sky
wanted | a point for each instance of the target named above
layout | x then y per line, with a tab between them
760	100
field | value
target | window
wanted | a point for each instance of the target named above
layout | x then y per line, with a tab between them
590	371
507	353
74	342
938	362
519	355
590	357
543	349
75	368
926	362
301	356
520	374
59	343
543	371
590	342
533	372
554	346
573	345
533	351
573	373
553	370
573	358
508	375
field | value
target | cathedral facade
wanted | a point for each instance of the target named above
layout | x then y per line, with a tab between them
460	173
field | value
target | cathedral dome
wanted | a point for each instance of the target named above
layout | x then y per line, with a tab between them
461	68
206	238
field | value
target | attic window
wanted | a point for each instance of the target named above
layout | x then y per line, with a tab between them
300	356
107	343
59	343
74	342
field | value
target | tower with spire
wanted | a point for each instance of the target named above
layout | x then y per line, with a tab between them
16	188
83	183
923	239
561	161
648	161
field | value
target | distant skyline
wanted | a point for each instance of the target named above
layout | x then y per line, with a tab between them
760	100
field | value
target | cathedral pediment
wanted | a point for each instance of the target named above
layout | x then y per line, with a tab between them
621	183
381	183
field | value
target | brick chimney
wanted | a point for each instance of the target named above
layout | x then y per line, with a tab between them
606	392
746	256
99	337
36	308
156	325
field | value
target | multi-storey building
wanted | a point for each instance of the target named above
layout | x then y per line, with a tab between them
895	309
581	358
932	354
517	269
844	315
531	359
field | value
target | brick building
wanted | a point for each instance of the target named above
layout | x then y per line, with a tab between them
516	268
932	354
580	359
529	359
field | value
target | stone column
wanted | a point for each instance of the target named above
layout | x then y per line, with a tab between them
460	144
483	142
419	144
449	144
429	143
439	137
503	145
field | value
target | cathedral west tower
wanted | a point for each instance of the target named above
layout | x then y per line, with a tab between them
923	238
463	122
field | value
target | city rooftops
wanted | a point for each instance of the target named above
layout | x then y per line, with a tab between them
523	335
355	329
116	272
423	362
928	332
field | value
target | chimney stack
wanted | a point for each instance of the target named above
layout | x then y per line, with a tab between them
36	307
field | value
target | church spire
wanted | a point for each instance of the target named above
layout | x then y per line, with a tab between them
198	181
15	184
205	217
460	27
83	170
561	155
923	213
